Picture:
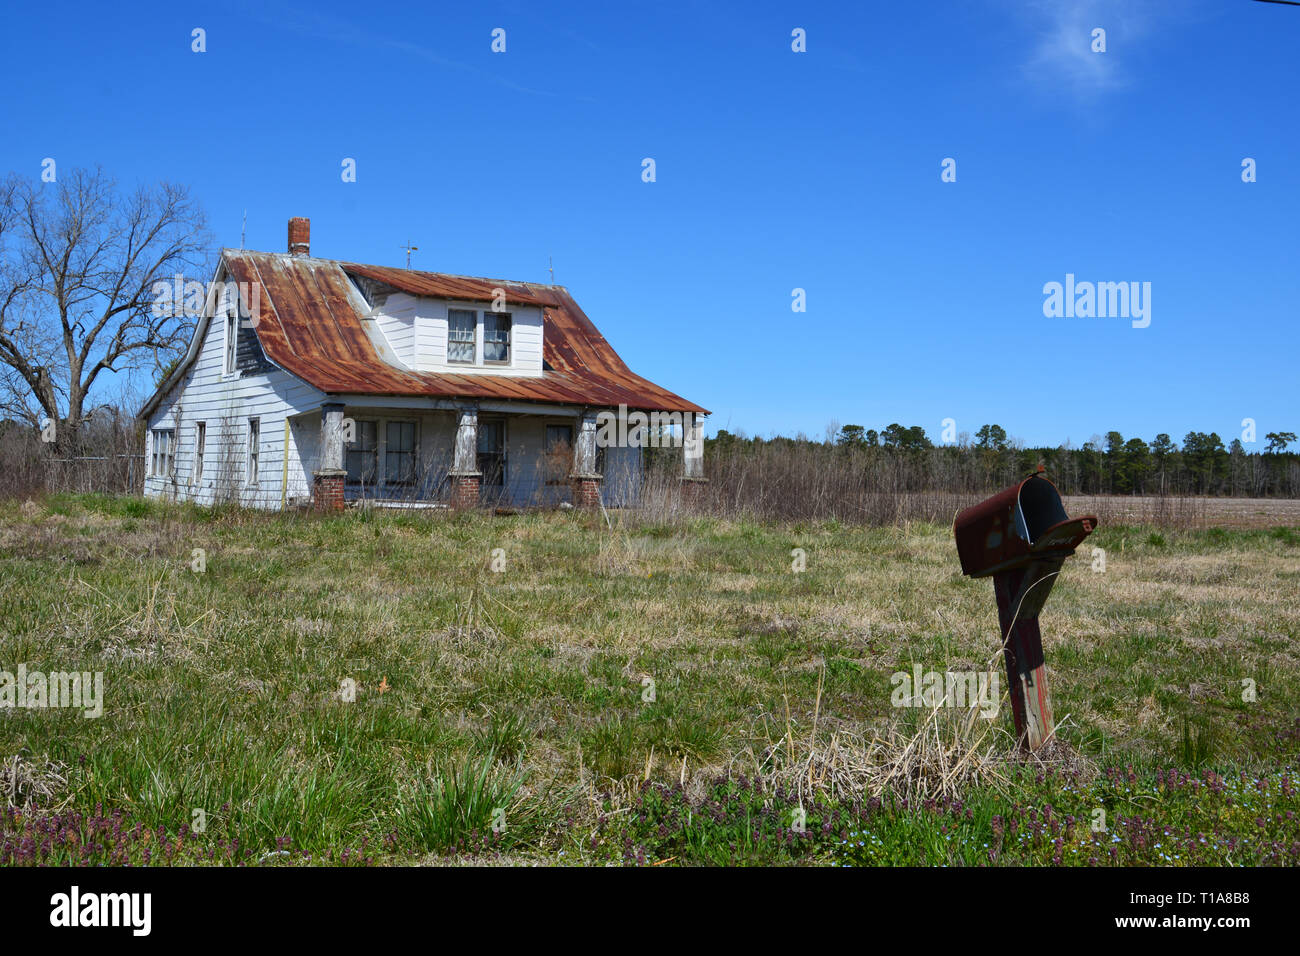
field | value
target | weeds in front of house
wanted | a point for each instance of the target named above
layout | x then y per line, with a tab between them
530	692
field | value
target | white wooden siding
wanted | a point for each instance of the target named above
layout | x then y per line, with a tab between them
226	403
416	332
396	320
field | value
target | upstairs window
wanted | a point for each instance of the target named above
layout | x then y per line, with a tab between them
232	330
164	453
461	325
496	337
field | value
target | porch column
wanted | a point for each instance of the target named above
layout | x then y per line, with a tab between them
327	480
465	476
693	480
585	479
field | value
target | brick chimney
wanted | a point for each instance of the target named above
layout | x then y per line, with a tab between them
299	236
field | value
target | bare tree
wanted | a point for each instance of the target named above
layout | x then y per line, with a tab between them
79	263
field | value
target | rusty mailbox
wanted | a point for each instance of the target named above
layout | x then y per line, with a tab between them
1022	536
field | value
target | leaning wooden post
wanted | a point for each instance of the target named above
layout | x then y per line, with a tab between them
1031	704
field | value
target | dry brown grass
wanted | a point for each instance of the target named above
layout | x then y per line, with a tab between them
27	782
946	755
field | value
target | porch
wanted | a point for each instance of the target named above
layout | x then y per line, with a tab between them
459	455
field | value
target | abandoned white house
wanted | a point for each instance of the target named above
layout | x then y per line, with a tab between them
316	380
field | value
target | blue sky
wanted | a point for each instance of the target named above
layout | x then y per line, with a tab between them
775	170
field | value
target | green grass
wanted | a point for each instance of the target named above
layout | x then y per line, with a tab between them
530	689
467	807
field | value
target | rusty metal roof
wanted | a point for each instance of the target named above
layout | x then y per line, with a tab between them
310	324
439	285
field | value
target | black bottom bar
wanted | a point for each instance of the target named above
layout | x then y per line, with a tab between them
379	907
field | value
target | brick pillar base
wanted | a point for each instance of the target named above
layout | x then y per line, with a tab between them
693	490
464	491
586	491
327	490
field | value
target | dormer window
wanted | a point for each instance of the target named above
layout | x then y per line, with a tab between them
461	326
425	333
496	337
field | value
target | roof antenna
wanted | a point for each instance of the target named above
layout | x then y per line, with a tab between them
243	230
409	249
550	264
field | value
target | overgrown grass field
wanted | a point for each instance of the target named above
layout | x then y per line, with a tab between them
385	687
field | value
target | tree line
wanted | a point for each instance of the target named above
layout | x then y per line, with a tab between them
1202	464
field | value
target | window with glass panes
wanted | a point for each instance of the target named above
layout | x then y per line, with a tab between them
399	452
461	324
492	453
361	458
163	451
496	337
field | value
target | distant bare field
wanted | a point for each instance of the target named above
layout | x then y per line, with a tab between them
1190	512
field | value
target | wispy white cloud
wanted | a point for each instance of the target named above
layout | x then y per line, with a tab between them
1062	55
